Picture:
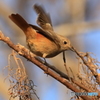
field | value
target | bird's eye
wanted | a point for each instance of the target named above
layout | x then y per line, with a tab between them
65	42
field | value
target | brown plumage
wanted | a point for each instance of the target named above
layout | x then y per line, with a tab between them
42	41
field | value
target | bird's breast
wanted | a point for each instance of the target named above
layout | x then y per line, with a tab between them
42	45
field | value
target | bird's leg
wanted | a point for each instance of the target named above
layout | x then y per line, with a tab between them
64	59
29	53
44	57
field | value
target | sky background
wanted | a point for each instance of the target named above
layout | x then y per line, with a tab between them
78	20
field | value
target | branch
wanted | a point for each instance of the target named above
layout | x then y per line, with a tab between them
21	50
88	61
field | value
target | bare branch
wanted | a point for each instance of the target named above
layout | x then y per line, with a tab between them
33	58
88	61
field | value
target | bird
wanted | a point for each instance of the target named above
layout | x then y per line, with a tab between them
42	40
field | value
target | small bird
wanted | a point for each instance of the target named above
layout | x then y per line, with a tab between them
42	41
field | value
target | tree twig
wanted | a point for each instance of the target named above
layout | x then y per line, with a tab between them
87	60
31	57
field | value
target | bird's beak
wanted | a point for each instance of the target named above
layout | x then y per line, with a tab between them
72	48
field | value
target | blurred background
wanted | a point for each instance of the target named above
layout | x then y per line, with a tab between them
79	20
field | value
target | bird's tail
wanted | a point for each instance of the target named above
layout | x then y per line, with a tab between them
19	21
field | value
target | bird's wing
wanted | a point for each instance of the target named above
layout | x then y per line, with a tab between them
43	19
41	31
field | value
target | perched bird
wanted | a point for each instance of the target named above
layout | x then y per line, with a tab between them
42	41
